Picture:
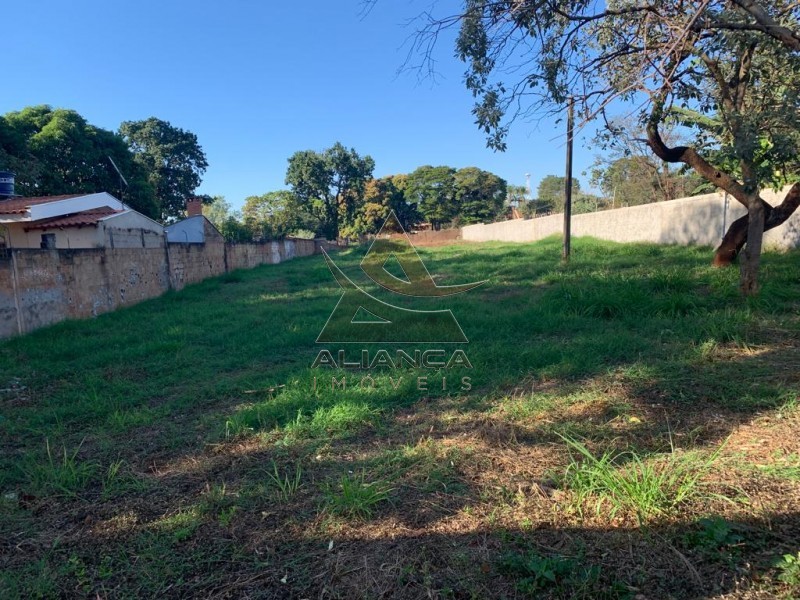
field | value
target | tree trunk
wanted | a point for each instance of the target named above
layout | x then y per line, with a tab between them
748	230
751	258
736	236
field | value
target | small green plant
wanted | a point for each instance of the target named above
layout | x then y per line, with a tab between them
226	515
76	569
626	481
118	480
558	575
355	498
285	485
60	474
215	499
789	567
334	420
714	534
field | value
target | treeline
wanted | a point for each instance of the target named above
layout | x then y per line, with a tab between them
56	151
333	194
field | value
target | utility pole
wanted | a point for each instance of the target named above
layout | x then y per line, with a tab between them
568	183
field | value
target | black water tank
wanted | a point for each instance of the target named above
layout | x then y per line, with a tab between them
6	185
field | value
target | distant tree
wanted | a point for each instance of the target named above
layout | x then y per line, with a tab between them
633	180
480	195
55	151
432	189
329	185
516	194
551	191
274	215
234	230
218	211
173	158
630	174
586	203
381	196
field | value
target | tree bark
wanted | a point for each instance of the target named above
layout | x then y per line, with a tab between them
751	258
736	236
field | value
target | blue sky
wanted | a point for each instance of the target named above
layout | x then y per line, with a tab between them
257	81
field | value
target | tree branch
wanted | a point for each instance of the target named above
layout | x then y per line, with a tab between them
770	26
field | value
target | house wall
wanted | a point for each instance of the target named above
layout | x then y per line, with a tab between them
700	220
41	287
66	239
125	230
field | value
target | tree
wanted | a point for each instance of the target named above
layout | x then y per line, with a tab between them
432	189
381	196
274	215
329	185
55	151
638	179
630	174
552	190
480	195
732	64
173	159
218	211
516	194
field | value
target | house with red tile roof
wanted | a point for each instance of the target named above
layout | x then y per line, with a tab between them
75	221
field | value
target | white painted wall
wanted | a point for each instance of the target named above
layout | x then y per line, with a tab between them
699	220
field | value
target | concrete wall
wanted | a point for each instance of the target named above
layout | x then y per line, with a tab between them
131	230
41	287
700	220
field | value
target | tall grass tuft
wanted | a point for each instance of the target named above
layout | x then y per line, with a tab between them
626	482
355	498
60	473
285	485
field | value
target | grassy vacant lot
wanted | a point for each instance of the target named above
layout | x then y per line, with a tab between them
631	432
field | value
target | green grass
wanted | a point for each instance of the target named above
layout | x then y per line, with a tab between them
184	447
285	484
626	482
353	497
58	472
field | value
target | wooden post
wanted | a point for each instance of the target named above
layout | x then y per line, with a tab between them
568	184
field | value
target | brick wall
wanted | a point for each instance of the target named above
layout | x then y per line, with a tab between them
41	287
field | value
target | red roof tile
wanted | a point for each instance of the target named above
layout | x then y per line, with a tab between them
19	206
82	219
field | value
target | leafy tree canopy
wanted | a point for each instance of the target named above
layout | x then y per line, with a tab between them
275	215
552	190
173	159
432	189
329	185
480	195
55	151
